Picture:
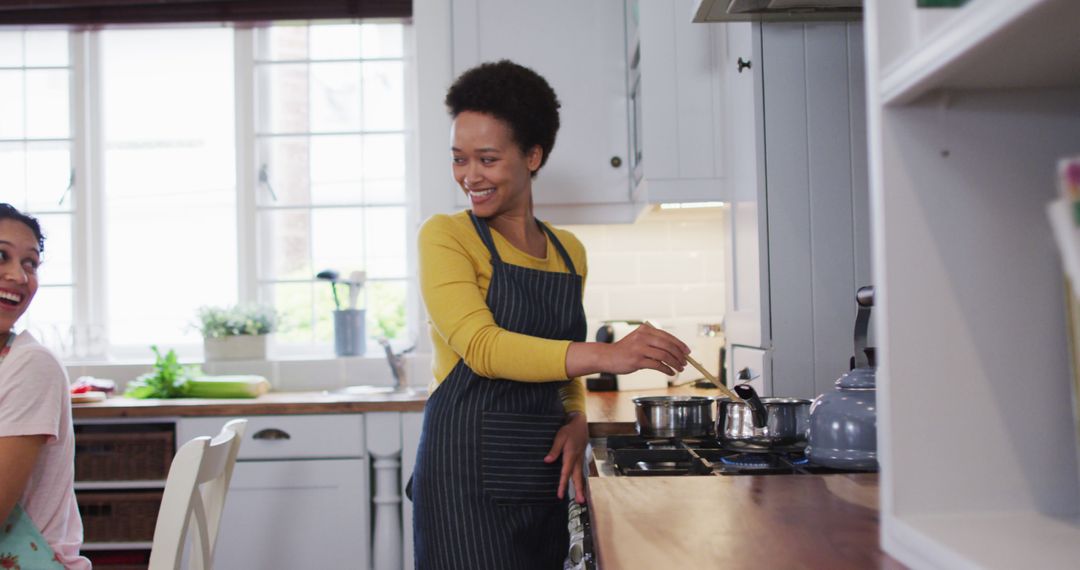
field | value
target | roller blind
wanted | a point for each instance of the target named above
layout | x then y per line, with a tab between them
96	12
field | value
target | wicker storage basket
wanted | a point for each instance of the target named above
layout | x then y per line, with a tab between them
119	456
119	516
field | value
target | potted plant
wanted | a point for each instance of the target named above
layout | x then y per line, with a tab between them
238	332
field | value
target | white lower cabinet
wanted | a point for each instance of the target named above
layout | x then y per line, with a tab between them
296	514
299	497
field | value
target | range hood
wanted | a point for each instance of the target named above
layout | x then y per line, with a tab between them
777	10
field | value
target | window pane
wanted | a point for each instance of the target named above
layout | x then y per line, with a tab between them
335	41
384	96
384	168
11	49
47	103
282	43
336	170
305	311
285	91
48	172
385	236
386	309
56	261
381	40
170	183
49	318
285	163
47	48
337	238
335	97
285	245
12	111
13	174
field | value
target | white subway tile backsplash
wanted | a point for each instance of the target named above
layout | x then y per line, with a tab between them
713	264
672	268
699	300
645	236
596	302
668	267
697	236
636	302
607	268
301	375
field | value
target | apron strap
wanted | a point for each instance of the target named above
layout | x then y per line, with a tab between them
559	247
485	236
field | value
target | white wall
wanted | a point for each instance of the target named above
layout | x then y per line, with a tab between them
667	268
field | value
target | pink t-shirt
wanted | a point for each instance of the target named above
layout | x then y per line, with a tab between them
34	400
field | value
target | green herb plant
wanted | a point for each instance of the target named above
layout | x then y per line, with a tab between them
169	379
250	319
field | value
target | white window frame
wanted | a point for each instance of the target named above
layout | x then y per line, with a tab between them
89	281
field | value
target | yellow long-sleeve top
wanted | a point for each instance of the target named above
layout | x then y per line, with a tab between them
455	273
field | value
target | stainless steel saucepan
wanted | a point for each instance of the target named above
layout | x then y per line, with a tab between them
674	416
762	424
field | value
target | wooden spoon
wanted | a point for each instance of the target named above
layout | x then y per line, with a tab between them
708	375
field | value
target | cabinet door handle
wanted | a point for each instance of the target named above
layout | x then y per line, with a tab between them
271	433
743	64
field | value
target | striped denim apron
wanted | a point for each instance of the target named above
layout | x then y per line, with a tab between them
483	498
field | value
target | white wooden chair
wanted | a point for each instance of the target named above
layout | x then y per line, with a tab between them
195	495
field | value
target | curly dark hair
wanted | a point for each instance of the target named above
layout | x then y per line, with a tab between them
514	94
9	212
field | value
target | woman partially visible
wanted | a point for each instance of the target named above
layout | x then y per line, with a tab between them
37	445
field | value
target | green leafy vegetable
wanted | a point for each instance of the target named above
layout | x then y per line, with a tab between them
169	378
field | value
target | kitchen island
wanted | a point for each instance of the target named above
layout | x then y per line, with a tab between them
744	521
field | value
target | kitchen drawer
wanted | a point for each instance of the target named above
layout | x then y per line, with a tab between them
287	437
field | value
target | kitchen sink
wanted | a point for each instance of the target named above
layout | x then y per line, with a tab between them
375	393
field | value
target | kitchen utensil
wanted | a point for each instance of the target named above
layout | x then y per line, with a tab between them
356	283
843	423
708	376
674	416
331	276
762	424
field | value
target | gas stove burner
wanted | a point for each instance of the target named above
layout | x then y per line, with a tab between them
749	461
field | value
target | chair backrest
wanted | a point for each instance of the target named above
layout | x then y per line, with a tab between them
194	497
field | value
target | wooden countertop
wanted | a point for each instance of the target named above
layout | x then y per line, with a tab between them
608	412
769	521
268	404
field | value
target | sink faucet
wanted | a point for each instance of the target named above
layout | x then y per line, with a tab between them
397	364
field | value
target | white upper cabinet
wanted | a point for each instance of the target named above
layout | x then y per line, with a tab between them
677	103
579	47
969	111
798	247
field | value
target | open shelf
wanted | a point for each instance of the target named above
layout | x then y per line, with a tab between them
991	44
1023	540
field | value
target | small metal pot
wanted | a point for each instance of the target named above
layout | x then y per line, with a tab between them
674	416
763	424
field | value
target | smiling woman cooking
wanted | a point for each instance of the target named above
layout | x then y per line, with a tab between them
42	527
505	429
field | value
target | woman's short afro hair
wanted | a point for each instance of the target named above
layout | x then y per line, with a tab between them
514	94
